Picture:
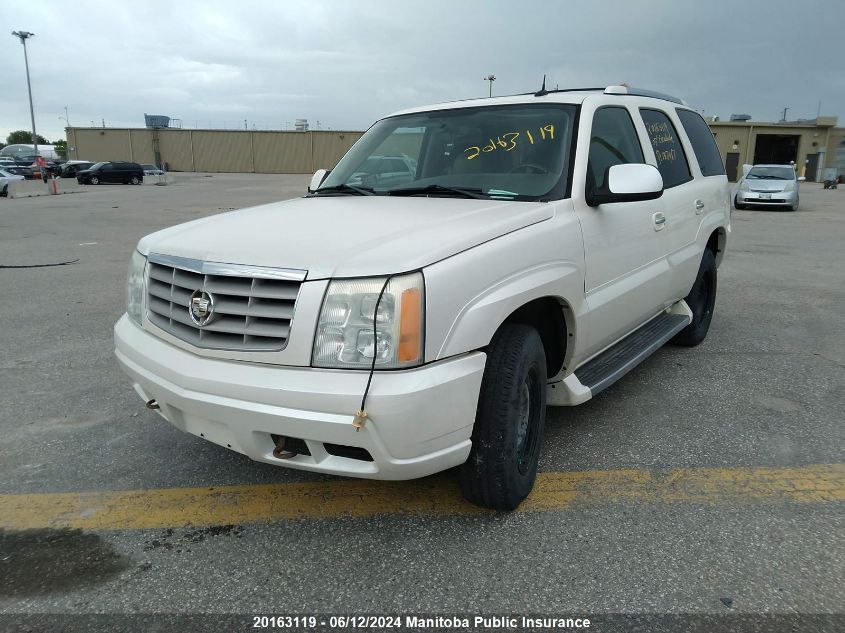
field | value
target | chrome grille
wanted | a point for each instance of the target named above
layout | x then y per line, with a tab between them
252	306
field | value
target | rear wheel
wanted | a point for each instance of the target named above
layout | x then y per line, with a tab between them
701	301
134	180
509	423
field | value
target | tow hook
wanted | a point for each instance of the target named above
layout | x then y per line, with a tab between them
152	404
279	451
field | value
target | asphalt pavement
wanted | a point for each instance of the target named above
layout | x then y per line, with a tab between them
764	392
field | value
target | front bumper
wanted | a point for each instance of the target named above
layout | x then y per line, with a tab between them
776	198
420	419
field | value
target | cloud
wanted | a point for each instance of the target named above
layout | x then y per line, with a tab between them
347	63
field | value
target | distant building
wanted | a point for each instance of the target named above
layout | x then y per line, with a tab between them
812	144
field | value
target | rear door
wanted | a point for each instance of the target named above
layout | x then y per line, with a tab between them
625	246
685	197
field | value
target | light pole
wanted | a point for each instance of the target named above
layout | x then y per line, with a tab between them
67	121
491	79
23	36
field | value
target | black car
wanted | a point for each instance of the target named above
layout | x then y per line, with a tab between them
70	170
126	173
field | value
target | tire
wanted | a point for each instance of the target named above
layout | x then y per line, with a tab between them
4	193
794	207
94	180
134	181
701	300
737	205
509	422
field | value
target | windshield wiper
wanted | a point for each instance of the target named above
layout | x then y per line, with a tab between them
344	188
461	191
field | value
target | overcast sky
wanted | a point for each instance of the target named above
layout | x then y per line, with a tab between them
347	63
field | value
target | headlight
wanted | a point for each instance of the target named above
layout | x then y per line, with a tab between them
790	186
743	186
345	332
135	286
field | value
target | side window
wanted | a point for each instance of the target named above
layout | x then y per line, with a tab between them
671	159
613	141
703	143
108	167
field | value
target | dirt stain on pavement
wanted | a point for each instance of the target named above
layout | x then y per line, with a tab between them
46	561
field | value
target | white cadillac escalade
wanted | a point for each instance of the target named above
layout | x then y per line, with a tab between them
462	267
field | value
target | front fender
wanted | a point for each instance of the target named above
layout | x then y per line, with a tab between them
470	295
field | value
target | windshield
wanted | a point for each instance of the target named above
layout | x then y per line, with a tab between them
774	173
96	166
516	152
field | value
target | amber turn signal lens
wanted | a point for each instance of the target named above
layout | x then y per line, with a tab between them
410	330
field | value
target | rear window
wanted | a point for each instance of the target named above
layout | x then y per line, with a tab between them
703	144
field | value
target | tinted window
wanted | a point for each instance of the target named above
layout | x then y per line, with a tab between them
671	160
613	141
703	144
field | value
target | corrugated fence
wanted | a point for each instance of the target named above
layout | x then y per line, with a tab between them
214	150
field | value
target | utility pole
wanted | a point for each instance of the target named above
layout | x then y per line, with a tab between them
23	36
491	78
785	110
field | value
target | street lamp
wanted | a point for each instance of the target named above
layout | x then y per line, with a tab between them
23	36
491	79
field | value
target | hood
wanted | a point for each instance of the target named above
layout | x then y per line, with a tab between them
766	184
346	236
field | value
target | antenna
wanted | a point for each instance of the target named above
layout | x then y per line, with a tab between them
542	92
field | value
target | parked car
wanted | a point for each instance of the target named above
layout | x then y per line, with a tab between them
20	170
152	170
114	172
545	245
765	185
7	177
71	168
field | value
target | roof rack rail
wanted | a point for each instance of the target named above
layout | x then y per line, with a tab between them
641	92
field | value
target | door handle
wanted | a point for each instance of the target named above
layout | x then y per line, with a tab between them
699	206
659	221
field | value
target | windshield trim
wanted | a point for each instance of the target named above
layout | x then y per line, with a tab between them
562	188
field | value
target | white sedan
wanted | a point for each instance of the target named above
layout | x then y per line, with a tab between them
152	170
5	179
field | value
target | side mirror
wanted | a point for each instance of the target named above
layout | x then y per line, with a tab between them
631	182
317	179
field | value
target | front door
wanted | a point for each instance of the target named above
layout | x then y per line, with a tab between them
812	166
626	279
731	165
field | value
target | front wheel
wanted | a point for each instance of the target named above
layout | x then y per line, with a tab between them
701	300
95	180
509	423
794	206
737	205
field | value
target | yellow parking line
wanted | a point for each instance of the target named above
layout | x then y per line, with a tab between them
433	496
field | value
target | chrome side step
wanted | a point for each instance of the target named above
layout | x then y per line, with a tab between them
609	366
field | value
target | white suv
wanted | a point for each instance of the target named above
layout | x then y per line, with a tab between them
542	246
